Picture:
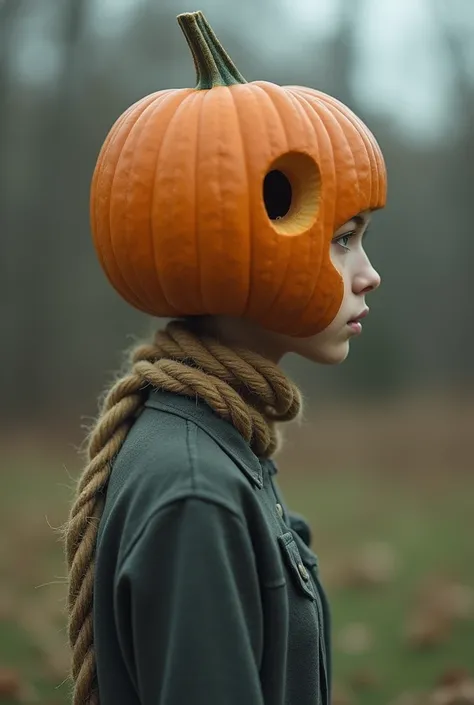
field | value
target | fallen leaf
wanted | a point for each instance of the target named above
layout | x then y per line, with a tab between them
456	600
28	695
341	696
10	684
447	596
459	694
373	565
409	698
364	679
427	630
466	691
453	676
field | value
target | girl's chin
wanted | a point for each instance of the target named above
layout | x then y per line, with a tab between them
327	354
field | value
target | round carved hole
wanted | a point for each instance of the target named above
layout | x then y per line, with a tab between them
277	194
291	193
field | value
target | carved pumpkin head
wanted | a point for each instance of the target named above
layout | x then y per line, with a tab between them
224	198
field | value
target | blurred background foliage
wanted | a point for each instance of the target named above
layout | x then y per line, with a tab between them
382	465
67	70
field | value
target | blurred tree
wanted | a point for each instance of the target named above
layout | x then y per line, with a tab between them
49	190
459	176
342	53
9	13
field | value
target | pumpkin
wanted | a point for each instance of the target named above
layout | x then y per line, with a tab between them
224	198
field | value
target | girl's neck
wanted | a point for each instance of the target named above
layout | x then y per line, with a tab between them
241	333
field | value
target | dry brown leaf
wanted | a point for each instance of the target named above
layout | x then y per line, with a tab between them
440	601
447	596
456	600
13	687
453	676
409	698
466	691
341	696
10	684
364	679
427	629
355	638
458	694
375	564
28	695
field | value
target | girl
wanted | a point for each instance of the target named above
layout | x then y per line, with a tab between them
239	210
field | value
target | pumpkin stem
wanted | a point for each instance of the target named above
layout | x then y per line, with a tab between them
214	67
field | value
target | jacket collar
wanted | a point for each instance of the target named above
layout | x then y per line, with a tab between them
224	433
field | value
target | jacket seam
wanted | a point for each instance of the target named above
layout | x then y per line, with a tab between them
200	496
191	445
187	416
191	418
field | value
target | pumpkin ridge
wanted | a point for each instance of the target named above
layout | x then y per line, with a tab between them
308	108
101	176
213	65
228	221
133	281
97	178
320	122
366	139
330	123
343	118
305	105
369	149
262	86
196	203
249	215
305	118
164	135
376	163
336	115
318	117
264	312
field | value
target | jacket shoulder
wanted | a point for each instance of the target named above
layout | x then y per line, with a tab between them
166	457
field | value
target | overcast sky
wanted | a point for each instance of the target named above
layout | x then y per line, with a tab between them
401	70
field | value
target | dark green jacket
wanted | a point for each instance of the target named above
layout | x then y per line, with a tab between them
206	592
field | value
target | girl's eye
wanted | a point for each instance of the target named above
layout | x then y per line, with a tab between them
344	240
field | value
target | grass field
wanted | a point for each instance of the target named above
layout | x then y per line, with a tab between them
397	555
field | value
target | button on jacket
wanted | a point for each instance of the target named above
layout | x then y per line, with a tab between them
205	591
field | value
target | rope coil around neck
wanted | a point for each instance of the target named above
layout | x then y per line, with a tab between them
242	387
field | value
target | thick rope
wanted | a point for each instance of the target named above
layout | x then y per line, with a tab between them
242	387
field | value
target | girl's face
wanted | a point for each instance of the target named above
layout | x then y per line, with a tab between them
331	346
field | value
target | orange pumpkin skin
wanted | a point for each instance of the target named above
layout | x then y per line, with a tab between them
178	214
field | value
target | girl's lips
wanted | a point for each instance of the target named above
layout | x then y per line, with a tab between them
356	319
355	326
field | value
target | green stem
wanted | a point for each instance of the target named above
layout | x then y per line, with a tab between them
214	67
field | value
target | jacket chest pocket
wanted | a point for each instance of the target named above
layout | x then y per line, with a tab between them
304	626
